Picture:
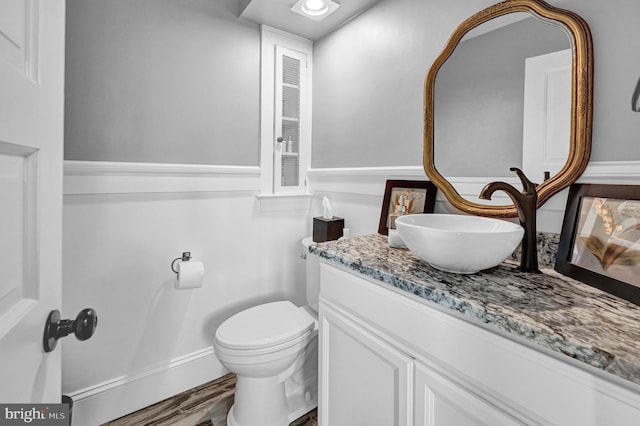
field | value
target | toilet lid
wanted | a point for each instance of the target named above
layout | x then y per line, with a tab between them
263	326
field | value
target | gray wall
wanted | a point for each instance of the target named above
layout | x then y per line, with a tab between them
161	81
481	86
369	75
178	82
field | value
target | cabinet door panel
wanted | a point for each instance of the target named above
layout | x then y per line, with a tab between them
365	381
440	402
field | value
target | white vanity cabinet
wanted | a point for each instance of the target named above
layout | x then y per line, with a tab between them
356	395
389	358
439	401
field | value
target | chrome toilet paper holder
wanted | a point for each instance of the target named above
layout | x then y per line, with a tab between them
186	256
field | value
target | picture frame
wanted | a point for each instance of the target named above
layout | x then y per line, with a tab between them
417	197
600	238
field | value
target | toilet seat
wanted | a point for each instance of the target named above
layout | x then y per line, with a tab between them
265	328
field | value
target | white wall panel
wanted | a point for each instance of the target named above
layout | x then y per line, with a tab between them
152	340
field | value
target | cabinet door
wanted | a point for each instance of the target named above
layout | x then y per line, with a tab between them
440	402
365	381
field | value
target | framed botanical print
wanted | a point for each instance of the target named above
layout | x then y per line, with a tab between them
600	239
402	197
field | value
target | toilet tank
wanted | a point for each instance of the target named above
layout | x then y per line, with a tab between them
313	274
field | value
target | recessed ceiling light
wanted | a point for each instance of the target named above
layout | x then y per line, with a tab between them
314	9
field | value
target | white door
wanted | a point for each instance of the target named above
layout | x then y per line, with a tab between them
547	114
31	143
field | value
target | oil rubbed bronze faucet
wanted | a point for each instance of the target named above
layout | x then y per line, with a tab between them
526	203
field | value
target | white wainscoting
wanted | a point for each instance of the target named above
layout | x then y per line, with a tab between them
99	403
359	190
100	177
615	172
123	225
111	207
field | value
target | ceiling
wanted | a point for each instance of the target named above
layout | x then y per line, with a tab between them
277	14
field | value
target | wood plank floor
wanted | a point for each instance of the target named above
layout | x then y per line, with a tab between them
205	405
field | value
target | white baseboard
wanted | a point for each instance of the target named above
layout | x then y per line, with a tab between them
123	395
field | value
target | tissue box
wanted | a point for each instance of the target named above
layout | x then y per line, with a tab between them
327	229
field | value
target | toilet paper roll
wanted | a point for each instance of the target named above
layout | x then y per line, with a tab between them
190	274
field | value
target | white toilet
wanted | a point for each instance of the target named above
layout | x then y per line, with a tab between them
273	350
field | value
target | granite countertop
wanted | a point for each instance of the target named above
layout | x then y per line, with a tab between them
548	309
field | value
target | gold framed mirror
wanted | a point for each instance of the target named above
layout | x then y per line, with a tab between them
579	106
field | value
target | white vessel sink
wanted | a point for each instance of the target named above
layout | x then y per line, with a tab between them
459	243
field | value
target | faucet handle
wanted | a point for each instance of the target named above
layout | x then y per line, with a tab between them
528	187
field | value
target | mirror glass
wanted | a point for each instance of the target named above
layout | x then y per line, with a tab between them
488	104
513	87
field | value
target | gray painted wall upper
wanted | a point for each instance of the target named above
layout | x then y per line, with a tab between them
369	75
162	81
368	78
178	82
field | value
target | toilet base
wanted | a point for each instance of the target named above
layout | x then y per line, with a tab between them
302	405
259	401
270	402
301	411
